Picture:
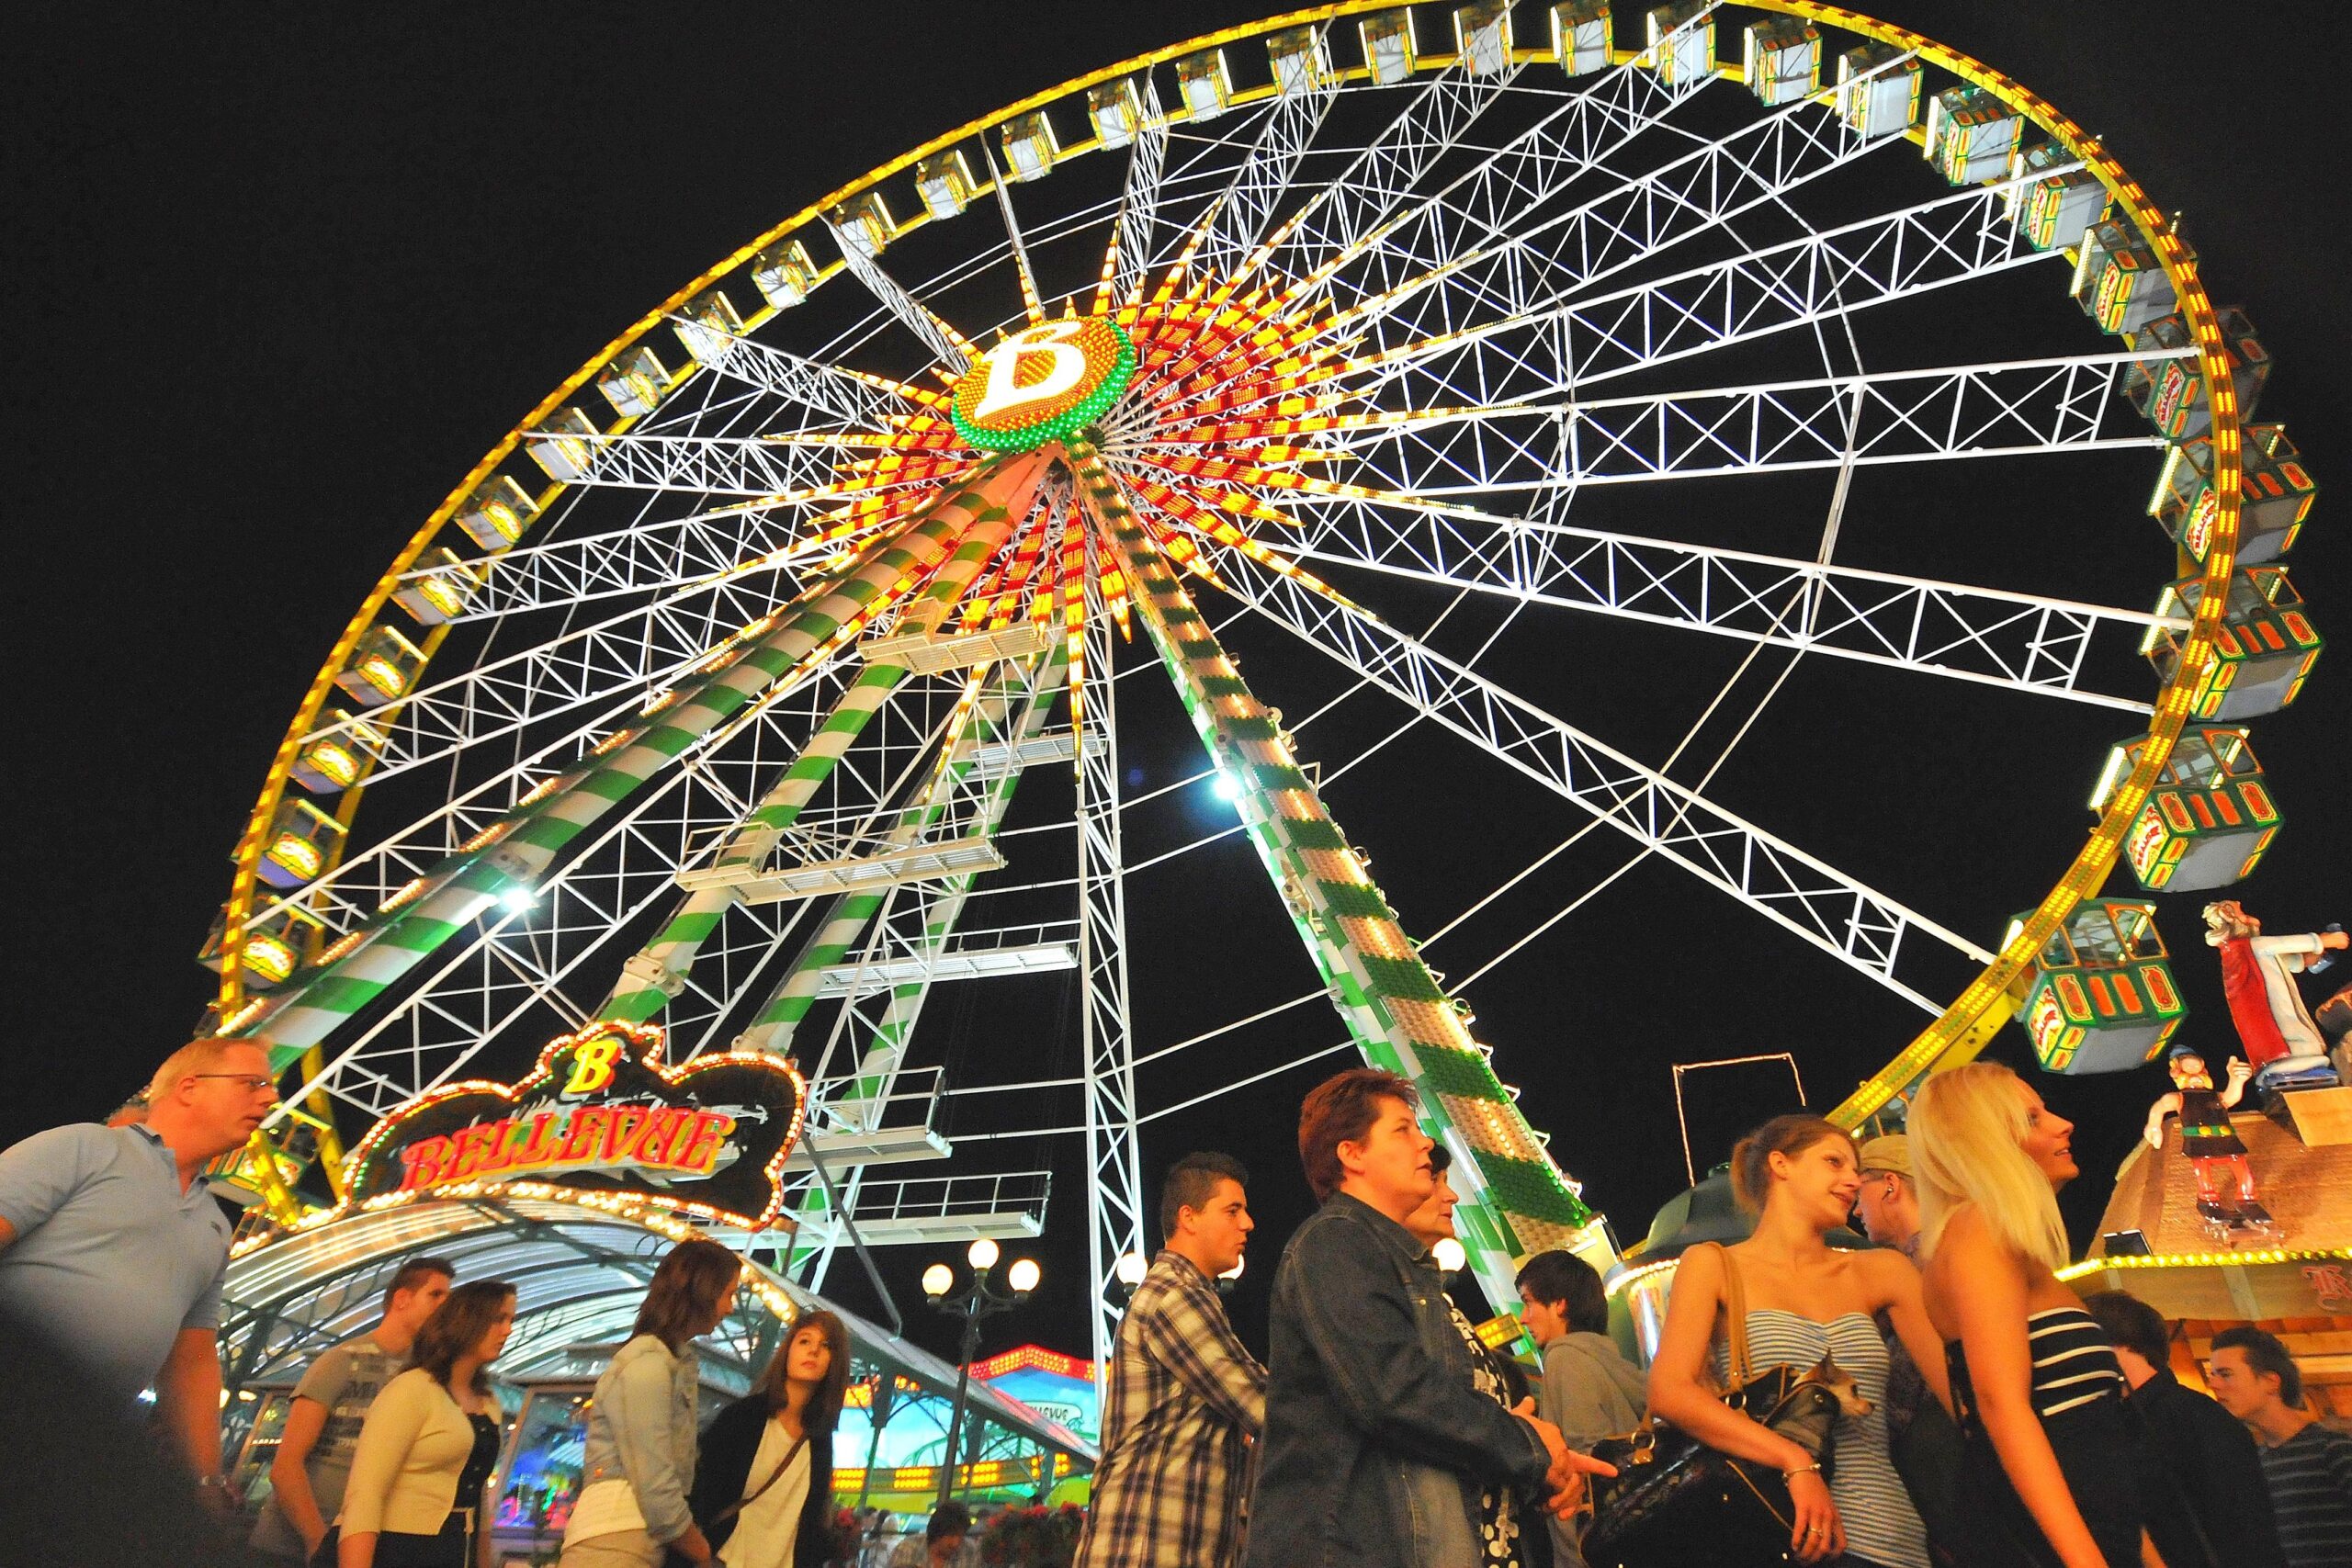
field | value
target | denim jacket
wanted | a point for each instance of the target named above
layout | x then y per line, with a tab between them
641	1429
1376	1442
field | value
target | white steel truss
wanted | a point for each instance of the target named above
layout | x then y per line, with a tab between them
1836	913
1114	1161
932	333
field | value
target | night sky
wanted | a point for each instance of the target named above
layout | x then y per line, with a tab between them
279	274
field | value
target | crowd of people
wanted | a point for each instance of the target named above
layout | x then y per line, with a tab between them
1984	1413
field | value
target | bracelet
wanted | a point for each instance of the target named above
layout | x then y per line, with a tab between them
1812	1469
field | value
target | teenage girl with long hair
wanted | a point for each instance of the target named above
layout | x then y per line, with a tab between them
2051	1458
1799	1175
640	1463
764	1490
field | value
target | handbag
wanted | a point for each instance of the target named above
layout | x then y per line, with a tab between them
672	1558
1675	1499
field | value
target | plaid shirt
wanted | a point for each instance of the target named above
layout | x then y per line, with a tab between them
1186	1399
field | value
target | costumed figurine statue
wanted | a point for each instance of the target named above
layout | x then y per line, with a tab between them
2225	1199
2257	975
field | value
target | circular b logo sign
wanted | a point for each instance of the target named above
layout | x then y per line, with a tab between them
1043	383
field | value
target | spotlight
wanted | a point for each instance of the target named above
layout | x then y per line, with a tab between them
1225	789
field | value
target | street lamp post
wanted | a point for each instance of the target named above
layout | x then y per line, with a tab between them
976	1301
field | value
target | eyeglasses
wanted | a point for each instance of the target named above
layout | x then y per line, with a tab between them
254	1082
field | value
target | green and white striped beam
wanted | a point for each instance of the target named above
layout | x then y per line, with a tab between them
1515	1200
520	849
658	973
861	1100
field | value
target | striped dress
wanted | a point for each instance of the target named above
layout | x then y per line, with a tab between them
2078	1390
1882	1527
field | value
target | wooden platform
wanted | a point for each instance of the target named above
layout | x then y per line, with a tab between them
2308	1191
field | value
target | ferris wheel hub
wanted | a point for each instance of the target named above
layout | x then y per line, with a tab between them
1043	383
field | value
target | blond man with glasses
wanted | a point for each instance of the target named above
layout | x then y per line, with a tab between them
111	1245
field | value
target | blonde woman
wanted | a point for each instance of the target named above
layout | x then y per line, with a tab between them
2048	1476
1799	1175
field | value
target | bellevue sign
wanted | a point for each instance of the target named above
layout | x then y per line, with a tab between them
600	1114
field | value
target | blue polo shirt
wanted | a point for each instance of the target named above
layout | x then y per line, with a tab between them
110	1256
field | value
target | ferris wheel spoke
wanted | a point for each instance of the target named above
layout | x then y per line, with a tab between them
946	345
489	981
1308	87
1833	911
1347	208
1558	353
853	400
1549	264
1486	203
640	650
362	883
2024	642
1894	416
784	468
1138	213
646	557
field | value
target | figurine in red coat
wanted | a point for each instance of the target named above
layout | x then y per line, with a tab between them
2257	975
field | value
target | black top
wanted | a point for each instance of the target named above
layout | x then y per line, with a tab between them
723	1469
2208	1461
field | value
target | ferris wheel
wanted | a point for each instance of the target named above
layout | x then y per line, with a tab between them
772	673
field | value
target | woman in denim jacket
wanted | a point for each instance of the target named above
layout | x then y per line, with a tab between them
640	1463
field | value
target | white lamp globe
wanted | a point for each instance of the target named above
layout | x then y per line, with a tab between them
1449	1255
936	1278
1130	1269
1234	1272
1023	1276
982	1254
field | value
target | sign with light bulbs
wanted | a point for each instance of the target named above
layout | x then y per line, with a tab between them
600	1114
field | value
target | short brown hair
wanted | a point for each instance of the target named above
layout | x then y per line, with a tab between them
414	1272
456	1326
1751	1158
1341	1110
824	1411
1191	1182
684	1293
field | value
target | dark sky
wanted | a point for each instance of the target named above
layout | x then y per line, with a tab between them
279	274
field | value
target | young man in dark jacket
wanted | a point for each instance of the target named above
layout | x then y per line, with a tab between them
2214	1511
1377	1443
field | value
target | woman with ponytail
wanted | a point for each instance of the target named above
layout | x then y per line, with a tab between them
1799	1175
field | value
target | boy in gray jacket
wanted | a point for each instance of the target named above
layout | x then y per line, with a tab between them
1589	1391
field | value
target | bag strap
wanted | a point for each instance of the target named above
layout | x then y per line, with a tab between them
774	1475
1735	1305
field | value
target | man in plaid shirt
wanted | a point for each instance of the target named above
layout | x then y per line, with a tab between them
1186	1398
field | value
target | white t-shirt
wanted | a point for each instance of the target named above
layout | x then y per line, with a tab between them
769	1525
603	1508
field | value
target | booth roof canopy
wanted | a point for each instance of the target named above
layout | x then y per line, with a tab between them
579	1273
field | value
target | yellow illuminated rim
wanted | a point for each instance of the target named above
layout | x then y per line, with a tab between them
1968	1024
